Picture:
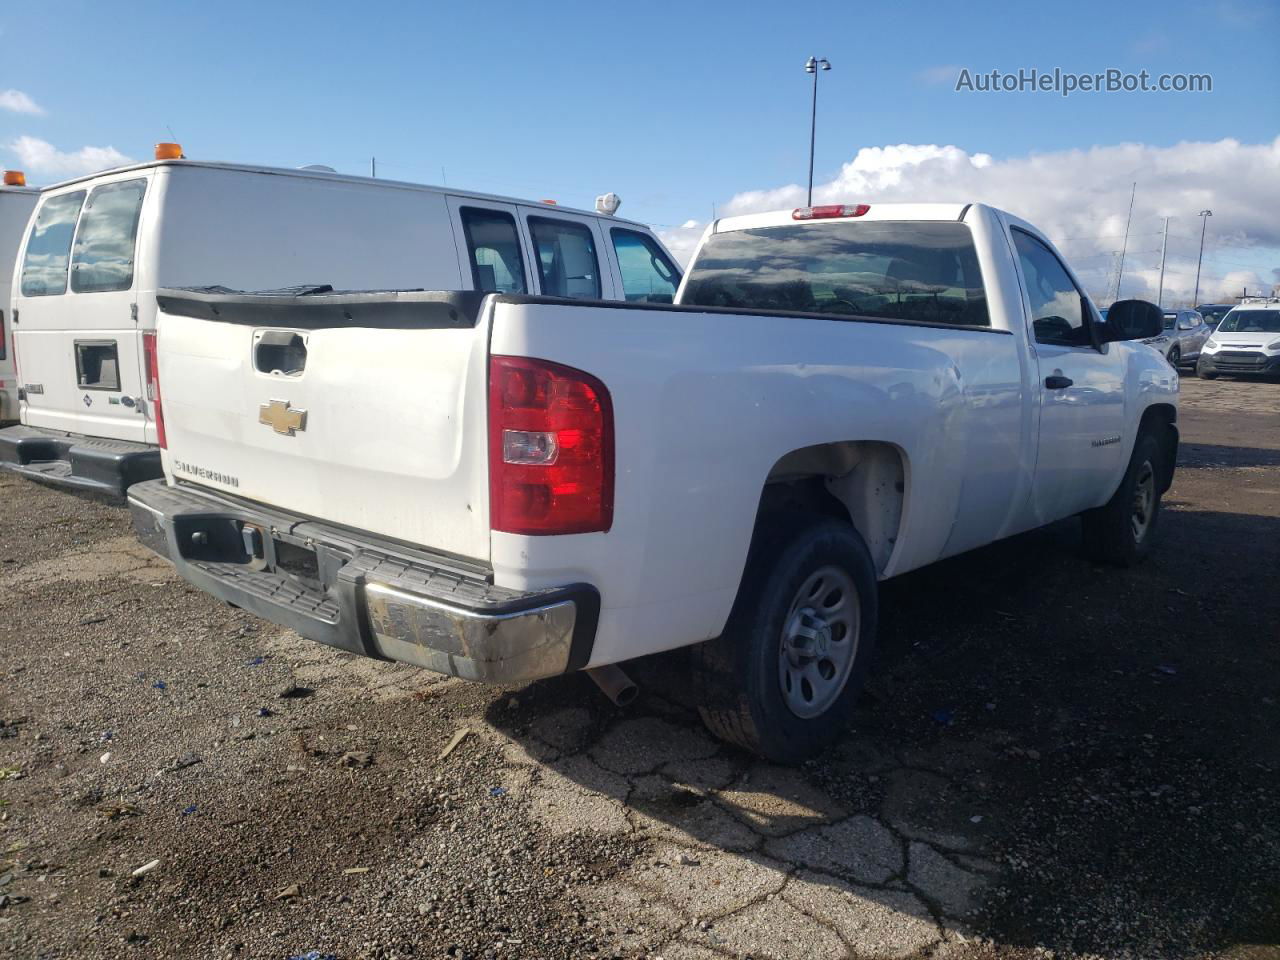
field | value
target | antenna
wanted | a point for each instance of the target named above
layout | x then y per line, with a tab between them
1125	245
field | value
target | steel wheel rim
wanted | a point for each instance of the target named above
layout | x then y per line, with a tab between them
1144	500
819	642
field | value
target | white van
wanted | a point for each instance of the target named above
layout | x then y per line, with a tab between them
99	247
16	204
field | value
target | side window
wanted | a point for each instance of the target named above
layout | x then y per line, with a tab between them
103	257
1057	307
647	275
494	249
567	263
44	269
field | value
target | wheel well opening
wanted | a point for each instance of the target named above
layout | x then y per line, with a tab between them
1162	419
862	482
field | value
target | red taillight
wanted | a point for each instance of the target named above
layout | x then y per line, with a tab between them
153	386
830	211
550	448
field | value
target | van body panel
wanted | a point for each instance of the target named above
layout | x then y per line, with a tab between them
16	205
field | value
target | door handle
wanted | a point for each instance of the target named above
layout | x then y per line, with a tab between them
1057	382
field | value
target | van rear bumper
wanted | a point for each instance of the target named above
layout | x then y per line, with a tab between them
70	460
362	593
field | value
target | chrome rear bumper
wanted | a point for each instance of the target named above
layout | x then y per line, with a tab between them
362	593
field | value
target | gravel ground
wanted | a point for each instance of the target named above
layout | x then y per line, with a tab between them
1051	759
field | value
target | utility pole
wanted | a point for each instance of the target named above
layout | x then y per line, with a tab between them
813	65
1125	246
1164	248
1204	222
373	167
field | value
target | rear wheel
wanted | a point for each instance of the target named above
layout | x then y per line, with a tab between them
1121	531
782	679
1175	356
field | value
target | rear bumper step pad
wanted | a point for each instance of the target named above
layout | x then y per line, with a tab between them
85	463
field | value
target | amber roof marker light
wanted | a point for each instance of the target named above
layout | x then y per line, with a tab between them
15	178
170	151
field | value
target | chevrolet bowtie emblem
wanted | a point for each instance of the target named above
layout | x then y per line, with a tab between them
281	418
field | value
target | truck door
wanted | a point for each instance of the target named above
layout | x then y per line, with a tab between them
77	336
1081	450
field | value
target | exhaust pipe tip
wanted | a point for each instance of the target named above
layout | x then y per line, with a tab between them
615	684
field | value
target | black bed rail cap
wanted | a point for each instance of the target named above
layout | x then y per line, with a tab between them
318	306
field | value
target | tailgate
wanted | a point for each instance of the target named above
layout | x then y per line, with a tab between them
365	410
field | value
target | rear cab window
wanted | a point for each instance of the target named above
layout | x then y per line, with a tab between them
565	252
493	248
44	267
913	271
648	275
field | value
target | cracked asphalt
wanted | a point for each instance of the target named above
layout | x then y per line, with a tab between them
1051	759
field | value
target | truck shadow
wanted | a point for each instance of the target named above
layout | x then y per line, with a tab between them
1049	754
1201	455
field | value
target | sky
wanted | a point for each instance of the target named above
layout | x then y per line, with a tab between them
692	109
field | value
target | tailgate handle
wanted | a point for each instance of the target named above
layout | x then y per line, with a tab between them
280	352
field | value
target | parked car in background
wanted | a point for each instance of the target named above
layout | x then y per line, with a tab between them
17	200
100	245
504	487
1213	313
1247	340
1185	333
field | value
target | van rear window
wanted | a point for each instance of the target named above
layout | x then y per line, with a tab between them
915	271
103	256
44	269
97	365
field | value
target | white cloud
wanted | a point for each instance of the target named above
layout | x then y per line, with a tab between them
15	101
43	160
1080	198
944	74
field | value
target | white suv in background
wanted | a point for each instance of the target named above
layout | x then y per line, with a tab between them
1246	341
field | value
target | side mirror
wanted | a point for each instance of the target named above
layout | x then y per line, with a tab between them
1132	320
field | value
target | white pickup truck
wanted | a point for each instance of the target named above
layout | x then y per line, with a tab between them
506	487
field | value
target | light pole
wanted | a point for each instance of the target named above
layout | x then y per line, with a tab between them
813	65
1204	222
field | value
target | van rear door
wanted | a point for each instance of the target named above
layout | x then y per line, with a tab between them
77	337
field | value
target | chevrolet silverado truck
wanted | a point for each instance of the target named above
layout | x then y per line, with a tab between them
507	487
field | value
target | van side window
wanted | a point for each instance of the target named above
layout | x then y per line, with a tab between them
567	263
647	275
1057	306
103	257
494	249
44	269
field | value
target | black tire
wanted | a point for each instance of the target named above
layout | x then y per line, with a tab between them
1175	357
1112	532
1205	374
739	677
